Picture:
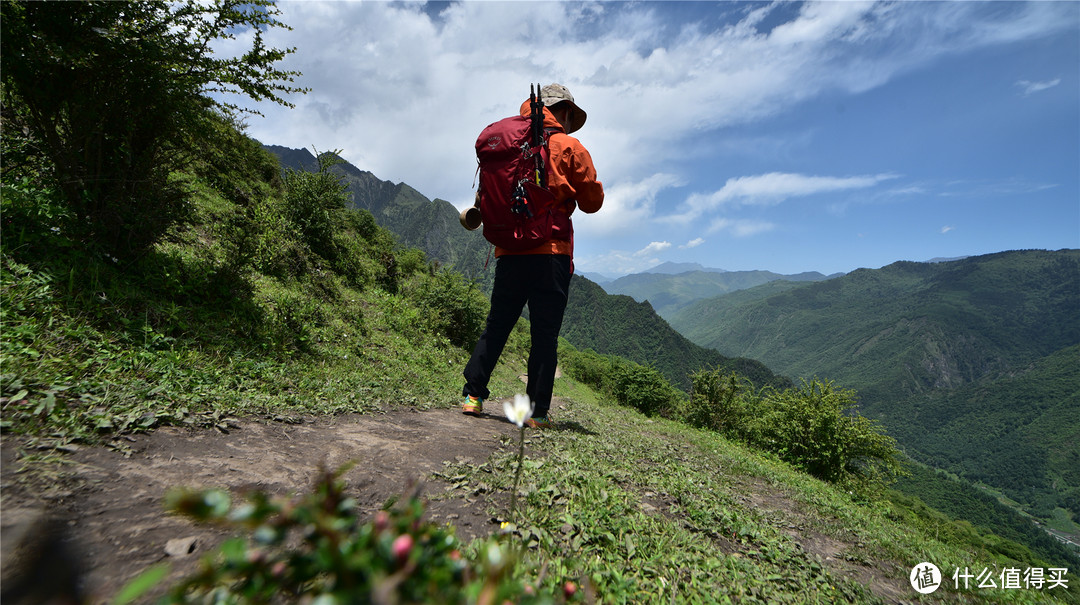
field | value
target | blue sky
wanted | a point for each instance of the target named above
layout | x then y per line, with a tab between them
781	136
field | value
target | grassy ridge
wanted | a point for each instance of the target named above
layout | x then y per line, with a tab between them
650	510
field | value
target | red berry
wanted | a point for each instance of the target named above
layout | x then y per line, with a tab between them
401	548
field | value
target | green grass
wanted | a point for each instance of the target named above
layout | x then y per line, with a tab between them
649	510
66	378
1063	521
189	334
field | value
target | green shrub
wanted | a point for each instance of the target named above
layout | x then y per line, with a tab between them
816	427
587	367
362	223
313	204
715	402
33	217
628	383
644	388
291	316
353	262
451	306
260	237
411	261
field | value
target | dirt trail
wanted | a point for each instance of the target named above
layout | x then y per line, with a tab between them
109	503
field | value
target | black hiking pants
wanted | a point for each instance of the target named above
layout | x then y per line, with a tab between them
543	282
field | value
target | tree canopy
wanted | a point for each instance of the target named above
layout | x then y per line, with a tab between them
110	97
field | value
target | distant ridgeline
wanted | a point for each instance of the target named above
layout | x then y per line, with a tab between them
971	364
672	286
610	325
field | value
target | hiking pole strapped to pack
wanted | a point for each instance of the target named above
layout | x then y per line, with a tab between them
532	148
536	114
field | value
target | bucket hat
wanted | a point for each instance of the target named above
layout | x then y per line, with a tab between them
555	93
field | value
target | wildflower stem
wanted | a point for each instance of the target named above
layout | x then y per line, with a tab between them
517	475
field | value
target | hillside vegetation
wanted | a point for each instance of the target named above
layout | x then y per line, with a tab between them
971	364
415	220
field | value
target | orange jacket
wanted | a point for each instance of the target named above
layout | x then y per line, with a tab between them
571	177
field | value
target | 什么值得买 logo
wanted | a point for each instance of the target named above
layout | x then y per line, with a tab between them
925	578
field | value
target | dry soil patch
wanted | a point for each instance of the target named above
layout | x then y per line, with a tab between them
108	504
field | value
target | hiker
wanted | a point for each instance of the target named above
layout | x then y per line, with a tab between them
538	276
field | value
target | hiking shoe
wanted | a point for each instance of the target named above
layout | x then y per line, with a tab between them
473	406
540	423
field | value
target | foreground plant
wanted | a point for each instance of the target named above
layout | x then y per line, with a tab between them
315	549
518	412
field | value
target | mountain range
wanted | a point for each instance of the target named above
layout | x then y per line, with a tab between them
971	364
672	286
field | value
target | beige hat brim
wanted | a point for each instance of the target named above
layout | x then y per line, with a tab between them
579	117
577	120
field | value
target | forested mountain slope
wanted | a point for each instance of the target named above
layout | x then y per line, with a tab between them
415	220
938	352
618	325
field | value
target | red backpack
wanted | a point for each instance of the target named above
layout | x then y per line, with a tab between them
517	209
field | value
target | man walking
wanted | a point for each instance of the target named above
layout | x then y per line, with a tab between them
539	277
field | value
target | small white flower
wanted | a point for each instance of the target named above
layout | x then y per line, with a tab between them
519	411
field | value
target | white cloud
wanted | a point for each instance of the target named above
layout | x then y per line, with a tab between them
946	229
1030	88
627	206
987	188
768	190
405	94
694	243
613	262
653	248
740	227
